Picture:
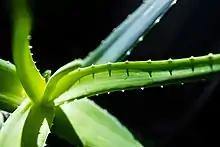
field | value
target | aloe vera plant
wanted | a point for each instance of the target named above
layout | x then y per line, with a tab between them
60	101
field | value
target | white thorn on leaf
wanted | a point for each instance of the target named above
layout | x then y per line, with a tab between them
182	83
103	41
142	88
29	37
128	53
30	47
108	92
174	2
157	20
161	86
141	38
210	54
122	90
97	94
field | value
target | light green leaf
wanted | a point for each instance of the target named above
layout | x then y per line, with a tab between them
94	126
60	73
28	126
30	78
89	81
11	90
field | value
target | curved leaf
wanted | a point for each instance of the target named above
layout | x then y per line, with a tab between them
28	126
95	126
129	75
61	72
30	78
11	90
123	38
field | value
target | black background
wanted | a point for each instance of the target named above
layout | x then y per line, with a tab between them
172	116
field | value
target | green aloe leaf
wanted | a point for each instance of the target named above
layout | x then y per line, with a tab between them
94	126
122	40
89	81
11	90
32	81
60	73
28	126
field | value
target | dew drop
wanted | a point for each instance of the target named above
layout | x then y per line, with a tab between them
142	88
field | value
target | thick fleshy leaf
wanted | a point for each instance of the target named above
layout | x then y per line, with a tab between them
94	126
89	81
28	126
122	40
32	81
11	90
60	73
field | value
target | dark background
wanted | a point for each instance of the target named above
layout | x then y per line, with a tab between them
174	116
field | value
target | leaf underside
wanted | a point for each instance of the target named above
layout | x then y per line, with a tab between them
11	90
94	125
